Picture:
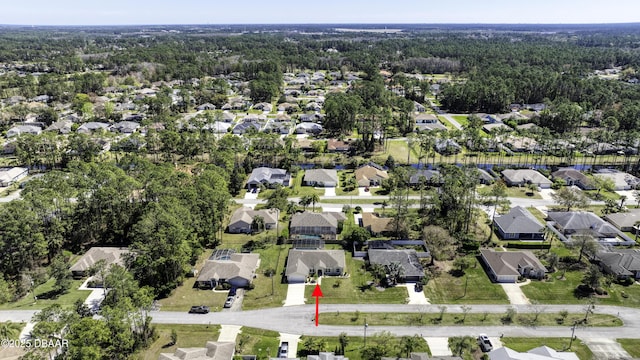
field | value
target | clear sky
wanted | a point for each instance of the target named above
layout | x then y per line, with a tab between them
120	12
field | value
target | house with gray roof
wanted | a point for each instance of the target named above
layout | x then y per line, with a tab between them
268	177
213	350
242	219
62	126
621	180
573	177
508	266
314	225
320	178
406	258
308	128
12	175
622	263
427	176
447	147
125	127
519	224
110	255
92	126
245	126
236	270
624	221
23	129
302	264
522	177
567	224
539	353
484	177
326	356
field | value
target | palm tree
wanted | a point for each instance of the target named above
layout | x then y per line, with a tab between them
257	224
305	201
409	343
314	198
344	341
9	330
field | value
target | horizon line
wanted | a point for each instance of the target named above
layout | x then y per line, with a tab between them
327	24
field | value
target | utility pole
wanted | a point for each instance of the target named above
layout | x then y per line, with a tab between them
365	332
573	330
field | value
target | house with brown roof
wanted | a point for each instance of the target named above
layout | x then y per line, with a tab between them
572	177
242	219
236	270
369	175
110	256
508	266
377	225
338	146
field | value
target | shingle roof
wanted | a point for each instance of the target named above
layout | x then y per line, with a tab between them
311	219
321	175
268	175
111	255
506	263
376	224
572	221
525	175
213	351
519	220
624	219
407	258
300	261
239	265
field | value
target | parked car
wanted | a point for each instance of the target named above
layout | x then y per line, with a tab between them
199	309
485	343
229	302
419	287
232	291
284	350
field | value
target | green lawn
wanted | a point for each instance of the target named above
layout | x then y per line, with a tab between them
44	295
560	344
518	192
355	344
340	189
555	291
446	122
604	195
474	287
188	336
631	345
399	149
261	295
471	319
461	119
298	190
355	289
263	343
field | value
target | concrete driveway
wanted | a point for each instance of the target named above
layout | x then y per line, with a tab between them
229	332
330	191
415	298
608	349
295	295
362	192
515	294
439	346
293	340
237	303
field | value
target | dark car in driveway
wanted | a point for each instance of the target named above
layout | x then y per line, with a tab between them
199	309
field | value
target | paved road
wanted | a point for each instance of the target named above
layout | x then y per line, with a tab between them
14	195
453	121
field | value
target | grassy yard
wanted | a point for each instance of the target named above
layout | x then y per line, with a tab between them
185	295
45	297
461	119
474	287
263	343
446	122
399	150
471	319
261	295
188	336
355	344
346	174
557	291
560	344
355	288
604	195
298	190
631	345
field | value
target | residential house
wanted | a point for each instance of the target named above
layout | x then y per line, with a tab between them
622	180
213	350
218	127
521	177
624	221
338	146
228	117
539	353
425	176
242	219
62	126
522	144
370	175
376	225
519	224
206	106
489	128
237	270
110	256
12	175
412	270
320	178
447	147
308	128
268	177
417	107
573	177
570	223
428	122
92	126
23	129
302	264
326	356
315	225
315	117
484	177
508	266
263	106
125	127
313	106
622	263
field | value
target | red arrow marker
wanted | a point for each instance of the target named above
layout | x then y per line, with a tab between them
317	293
